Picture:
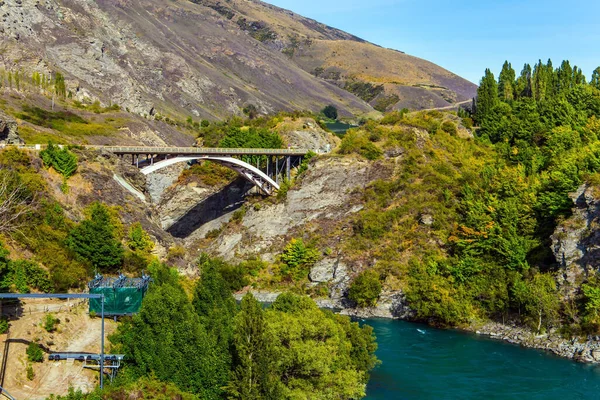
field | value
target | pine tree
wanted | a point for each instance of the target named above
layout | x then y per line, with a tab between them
94	240
213	301
523	86
253	376
506	82
578	77
62	160
595	81
487	96
564	77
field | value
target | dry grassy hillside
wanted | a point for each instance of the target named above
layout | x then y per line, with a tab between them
343	59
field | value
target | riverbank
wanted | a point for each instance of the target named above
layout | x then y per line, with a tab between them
393	305
587	351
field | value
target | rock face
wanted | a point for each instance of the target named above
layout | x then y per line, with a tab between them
576	241
588	351
325	194
305	133
8	130
195	58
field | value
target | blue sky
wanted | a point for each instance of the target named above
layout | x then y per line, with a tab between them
468	36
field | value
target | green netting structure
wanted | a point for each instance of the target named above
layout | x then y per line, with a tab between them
122	295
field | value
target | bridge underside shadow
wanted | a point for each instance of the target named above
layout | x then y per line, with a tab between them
227	200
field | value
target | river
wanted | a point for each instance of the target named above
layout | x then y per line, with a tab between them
420	362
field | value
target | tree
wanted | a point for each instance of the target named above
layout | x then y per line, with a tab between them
541	300
253	375
213	301
365	289
93	240
138	239
16	201
330	112
297	258
62	160
523	86
506	82
315	351
59	85
487	96
167	340
595	81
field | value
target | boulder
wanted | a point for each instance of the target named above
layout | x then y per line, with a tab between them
8	130
323	270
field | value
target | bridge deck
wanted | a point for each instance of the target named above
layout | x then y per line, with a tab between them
200	151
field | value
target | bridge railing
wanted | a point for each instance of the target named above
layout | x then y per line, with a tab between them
176	150
197	150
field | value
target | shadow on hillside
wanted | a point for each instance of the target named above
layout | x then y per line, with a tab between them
229	199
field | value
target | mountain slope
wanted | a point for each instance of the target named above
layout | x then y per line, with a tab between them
184	58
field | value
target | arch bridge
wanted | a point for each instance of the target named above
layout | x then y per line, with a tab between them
271	165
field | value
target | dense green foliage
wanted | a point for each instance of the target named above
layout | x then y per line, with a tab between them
34	353
365	289
297	259
21	276
490	203
62	160
94	240
330	112
209	347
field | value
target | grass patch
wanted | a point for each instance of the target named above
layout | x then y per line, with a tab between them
65	122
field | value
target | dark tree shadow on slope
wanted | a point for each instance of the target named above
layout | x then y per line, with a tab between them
229	199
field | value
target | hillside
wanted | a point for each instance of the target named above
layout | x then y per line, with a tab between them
205	59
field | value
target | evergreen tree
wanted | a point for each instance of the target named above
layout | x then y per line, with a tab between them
94	240
213	301
166	339
595	81
487	96
62	160
565	77
523	86
539	81
506	82
253	373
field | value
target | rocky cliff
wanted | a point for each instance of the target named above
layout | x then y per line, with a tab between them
576	241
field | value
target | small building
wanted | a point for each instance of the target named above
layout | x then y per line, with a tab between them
122	295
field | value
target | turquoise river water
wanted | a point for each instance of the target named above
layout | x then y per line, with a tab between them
419	362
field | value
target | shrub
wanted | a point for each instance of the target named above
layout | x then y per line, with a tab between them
30	373
365	289
297	258
238	215
330	112
138	239
50	323
3	325
358	142
62	160
449	127
35	353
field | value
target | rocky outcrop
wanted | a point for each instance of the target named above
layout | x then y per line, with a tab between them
325	195
587	351
8	130
576	241
305	133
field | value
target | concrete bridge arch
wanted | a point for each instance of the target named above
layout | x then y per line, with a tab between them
249	172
